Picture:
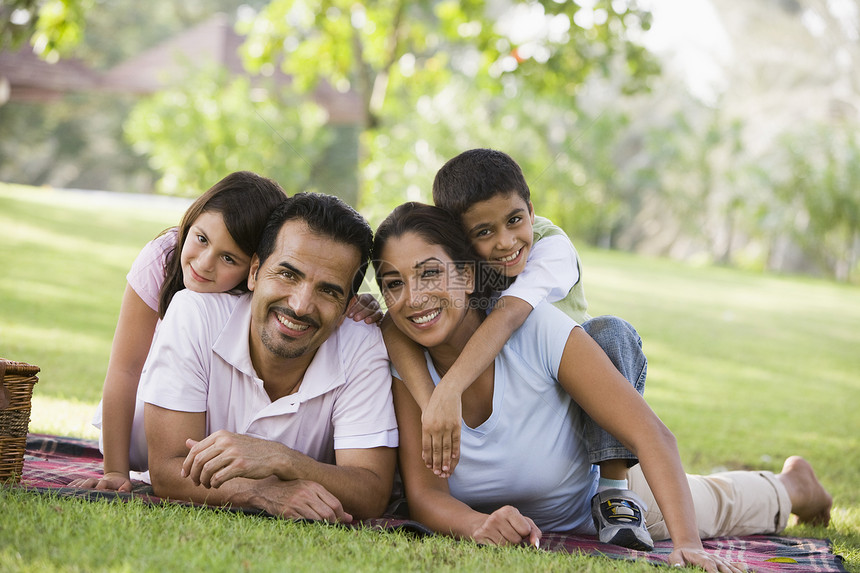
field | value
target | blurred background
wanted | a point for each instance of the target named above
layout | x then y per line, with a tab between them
707	130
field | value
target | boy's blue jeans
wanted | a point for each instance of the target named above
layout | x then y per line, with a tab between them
620	341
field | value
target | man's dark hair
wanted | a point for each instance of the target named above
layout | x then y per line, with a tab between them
326	215
477	175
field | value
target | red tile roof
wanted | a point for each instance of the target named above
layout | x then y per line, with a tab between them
166	64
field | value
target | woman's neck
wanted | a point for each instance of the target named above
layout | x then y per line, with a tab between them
477	398
444	355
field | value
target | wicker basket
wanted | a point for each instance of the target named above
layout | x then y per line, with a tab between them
16	390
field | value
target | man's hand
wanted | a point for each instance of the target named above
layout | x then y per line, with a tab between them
365	307
224	455
302	499
440	431
114	481
697	557
507	526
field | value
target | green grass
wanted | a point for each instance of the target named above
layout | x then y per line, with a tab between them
745	368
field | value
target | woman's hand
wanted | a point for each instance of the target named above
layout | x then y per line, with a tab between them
507	526
115	481
365	307
697	557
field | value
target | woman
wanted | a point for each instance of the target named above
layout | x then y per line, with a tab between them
522	466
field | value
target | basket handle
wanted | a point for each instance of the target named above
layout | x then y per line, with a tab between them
4	393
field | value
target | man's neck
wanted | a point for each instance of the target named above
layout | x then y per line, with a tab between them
281	376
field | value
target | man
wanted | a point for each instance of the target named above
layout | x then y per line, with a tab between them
272	400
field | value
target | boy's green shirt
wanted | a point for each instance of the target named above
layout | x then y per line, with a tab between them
574	304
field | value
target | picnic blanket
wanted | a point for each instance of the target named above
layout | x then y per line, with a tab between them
52	462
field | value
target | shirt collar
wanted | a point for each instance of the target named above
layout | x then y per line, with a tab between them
232	342
324	373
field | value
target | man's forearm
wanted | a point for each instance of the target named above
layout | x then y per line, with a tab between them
266	475
363	492
168	482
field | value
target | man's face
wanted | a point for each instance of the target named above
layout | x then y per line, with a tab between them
500	229
300	293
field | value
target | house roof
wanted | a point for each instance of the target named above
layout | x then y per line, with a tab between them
30	78
166	64
213	41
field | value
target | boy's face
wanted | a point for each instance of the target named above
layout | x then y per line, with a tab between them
500	229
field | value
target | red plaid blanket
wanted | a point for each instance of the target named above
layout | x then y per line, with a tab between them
52	462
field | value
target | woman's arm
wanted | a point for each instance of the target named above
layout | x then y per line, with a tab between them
430	501
590	378
132	339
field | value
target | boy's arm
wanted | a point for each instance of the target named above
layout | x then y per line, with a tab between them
553	268
408	359
442	415
364	307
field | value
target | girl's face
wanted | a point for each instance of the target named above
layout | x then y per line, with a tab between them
426	293
211	259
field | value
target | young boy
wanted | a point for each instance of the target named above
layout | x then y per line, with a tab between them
486	189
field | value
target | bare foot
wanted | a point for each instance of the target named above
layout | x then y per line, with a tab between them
809	500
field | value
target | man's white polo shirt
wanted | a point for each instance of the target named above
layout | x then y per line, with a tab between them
200	362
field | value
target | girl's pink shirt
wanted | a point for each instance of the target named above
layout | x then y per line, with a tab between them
147	271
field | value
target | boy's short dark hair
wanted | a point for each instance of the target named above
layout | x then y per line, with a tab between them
477	175
326	215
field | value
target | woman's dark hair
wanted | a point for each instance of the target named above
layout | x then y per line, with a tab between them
326	215
438	227
244	200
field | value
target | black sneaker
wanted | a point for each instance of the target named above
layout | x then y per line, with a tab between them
619	516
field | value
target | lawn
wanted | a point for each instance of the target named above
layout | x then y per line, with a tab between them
745	368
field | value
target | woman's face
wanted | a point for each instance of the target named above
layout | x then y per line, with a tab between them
426	293
211	259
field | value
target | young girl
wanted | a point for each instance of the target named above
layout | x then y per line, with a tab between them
210	251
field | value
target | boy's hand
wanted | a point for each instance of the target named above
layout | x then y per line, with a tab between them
440	435
366	308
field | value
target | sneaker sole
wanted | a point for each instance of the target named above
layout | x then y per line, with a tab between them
626	538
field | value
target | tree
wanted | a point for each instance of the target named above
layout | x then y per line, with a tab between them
52	26
214	124
77	140
405	59
818	196
391	46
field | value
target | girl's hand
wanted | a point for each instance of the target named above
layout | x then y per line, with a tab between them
366	308
114	481
684	556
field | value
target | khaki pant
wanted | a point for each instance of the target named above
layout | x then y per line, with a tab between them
727	504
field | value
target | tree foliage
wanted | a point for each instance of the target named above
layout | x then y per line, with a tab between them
818	193
436	77
393	48
53	27
618	152
196	134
